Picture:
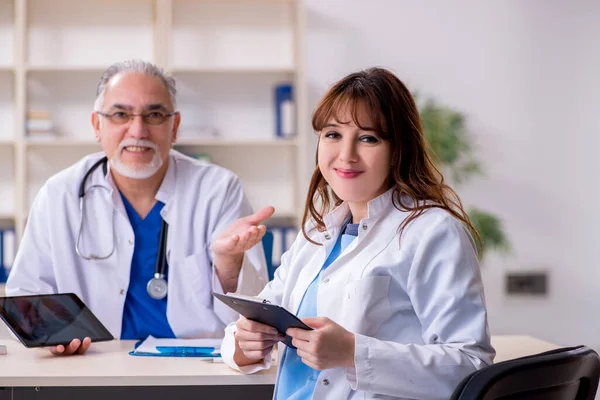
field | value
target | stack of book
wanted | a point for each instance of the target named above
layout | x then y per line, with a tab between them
7	251
39	125
277	240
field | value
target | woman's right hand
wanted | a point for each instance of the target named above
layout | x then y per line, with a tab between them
253	341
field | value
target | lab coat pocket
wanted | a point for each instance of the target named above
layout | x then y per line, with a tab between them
366	305
197	278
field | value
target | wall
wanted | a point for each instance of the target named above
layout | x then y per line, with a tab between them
525	73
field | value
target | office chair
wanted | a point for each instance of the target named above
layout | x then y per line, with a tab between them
569	373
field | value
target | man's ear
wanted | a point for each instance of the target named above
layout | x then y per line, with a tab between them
96	125
176	122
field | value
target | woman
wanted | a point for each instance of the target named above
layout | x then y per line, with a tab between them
384	270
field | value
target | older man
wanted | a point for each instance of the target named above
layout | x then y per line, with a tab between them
157	232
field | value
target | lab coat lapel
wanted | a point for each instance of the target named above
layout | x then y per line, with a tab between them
308	273
165	194
310	269
166	191
367	246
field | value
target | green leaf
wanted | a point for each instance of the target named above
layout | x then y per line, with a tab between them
452	150
490	229
447	140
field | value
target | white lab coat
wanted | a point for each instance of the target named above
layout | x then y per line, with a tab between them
415	305
200	202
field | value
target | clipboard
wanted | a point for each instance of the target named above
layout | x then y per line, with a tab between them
263	311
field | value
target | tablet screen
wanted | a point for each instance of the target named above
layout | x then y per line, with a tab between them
50	320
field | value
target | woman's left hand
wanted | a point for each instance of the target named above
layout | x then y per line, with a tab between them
327	346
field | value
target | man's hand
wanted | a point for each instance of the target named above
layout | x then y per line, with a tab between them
75	347
329	345
229	246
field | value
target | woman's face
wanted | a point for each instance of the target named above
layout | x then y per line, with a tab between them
355	162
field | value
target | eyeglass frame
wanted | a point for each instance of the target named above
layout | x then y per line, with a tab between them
132	116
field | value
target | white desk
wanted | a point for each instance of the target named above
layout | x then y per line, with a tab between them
114	374
108	371
509	347
109	364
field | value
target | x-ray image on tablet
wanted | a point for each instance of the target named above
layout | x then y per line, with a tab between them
50	320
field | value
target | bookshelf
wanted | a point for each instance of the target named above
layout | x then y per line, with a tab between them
226	56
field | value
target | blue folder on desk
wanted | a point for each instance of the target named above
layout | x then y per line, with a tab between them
153	347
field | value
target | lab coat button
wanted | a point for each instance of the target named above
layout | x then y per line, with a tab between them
325	382
326	280
122	292
130	242
327	236
364	227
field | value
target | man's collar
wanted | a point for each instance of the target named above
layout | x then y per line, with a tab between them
164	193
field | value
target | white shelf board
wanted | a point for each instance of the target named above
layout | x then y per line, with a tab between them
231	70
216	142
6	68
66	142
59	141
247	1
175	70
65	68
4	215
7	142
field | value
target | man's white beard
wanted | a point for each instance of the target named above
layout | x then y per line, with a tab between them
136	171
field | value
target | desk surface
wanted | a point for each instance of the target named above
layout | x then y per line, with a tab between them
509	347
109	364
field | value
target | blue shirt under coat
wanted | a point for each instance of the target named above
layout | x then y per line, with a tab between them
143	315
297	380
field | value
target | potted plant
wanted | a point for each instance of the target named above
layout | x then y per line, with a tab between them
452	150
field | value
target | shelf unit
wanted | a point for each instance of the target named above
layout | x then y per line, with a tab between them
226	56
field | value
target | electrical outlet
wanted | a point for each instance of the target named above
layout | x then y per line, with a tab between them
529	283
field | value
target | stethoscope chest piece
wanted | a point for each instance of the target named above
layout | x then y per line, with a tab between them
157	288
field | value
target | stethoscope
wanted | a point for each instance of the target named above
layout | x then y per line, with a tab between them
157	286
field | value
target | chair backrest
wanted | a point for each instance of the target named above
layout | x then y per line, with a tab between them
569	373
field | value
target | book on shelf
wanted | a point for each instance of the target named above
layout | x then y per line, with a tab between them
38	115
204	158
39	125
285	111
7	251
278	240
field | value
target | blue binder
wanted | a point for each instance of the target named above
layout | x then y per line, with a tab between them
3	274
7	251
283	114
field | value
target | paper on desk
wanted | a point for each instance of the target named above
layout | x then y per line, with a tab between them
151	345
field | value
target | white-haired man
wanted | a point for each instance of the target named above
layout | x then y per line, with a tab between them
157	232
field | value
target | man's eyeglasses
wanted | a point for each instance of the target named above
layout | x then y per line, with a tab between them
151	118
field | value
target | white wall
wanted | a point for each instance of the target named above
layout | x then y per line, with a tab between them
526	74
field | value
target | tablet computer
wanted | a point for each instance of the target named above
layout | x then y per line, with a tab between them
51	319
262	311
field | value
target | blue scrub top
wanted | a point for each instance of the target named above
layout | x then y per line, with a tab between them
143	315
297	380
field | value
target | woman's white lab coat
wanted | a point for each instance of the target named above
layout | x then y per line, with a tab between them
415	305
200	202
